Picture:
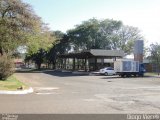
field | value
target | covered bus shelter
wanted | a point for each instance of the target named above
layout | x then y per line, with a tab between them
88	60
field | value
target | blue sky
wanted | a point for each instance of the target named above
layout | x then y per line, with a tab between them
65	14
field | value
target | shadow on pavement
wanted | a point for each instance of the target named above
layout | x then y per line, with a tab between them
63	74
29	71
131	77
58	73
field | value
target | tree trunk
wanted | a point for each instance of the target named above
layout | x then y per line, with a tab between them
1	51
39	66
53	65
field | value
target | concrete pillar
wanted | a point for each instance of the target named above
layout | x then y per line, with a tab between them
95	64
138	50
85	62
73	64
138	57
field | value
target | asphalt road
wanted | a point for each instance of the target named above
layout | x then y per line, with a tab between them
57	92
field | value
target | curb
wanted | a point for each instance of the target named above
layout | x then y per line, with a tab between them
18	92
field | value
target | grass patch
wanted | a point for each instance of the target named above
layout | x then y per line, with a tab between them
11	84
151	73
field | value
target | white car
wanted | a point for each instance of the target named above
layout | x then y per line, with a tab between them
107	71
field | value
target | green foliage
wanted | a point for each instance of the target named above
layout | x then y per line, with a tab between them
17	23
39	46
42	40
127	35
155	55
103	34
155	52
20	26
60	46
6	66
85	35
37	57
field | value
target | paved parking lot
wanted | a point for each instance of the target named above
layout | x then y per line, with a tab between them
63	92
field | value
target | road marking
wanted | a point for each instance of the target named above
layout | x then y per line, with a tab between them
89	100
44	93
46	88
39	93
74	92
142	88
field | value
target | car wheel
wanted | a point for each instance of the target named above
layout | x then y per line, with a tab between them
106	74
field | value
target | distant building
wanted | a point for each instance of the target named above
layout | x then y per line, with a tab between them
88	60
18	62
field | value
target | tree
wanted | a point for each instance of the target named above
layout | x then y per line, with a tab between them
125	38
38	58
60	46
155	55
85	35
39	46
107	31
42	40
103	34
20	26
6	66
45	52
17	23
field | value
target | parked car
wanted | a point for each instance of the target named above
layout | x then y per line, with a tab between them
107	71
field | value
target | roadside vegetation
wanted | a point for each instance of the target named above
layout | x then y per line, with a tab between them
11	83
6	67
20	27
151	74
154	56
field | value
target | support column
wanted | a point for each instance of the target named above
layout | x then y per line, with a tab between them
85	62
73	64
95	64
65	63
78	63
102	62
61	63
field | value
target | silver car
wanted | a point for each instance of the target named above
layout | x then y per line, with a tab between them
107	71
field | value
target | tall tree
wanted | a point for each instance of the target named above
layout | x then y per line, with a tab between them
17	22
60	46
107	31
125	37
42	40
85	35
39	46
155	55
104	34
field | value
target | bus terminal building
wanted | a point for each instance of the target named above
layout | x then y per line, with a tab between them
88	60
